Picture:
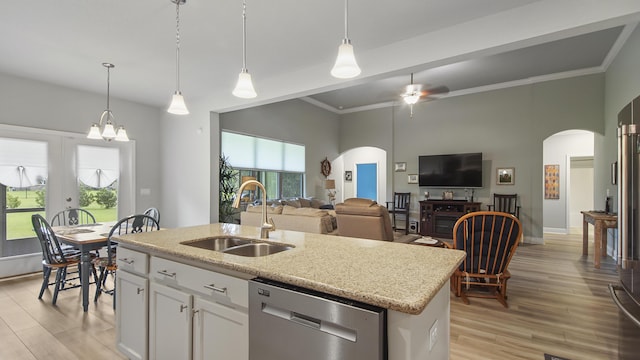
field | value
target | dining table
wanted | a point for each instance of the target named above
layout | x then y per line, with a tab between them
86	238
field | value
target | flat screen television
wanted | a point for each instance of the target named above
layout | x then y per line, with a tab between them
450	170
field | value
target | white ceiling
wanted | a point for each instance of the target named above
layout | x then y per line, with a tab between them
291	46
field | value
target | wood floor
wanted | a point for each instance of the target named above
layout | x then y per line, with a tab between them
558	304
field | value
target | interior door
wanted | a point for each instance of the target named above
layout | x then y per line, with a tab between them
367	181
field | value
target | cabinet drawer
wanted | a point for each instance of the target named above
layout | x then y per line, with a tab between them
132	261
222	288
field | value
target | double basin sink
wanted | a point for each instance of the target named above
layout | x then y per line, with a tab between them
238	246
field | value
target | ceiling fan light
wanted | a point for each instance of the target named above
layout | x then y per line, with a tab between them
178	107
94	132
411	99
244	88
121	134
346	66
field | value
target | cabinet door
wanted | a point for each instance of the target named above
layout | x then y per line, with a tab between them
220	332
131	320
170	323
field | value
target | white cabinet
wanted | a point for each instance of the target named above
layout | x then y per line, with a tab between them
131	305
196	313
219	332
170	323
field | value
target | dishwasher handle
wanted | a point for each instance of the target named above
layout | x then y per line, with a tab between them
317	324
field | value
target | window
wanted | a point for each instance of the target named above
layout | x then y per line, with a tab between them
278	165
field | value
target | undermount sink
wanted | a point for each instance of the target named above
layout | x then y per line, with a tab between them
257	249
238	246
217	243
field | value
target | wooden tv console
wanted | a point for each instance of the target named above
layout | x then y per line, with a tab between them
437	217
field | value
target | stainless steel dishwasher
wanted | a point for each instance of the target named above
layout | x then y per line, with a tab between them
291	323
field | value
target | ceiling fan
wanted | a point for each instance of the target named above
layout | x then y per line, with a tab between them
413	93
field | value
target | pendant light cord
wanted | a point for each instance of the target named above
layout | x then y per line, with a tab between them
346	16
178	46
244	35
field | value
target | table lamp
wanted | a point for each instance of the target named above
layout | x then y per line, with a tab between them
330	185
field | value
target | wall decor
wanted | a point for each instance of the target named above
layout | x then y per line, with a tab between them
412	179
614	173
401	166
552	182
325	167
348	175
505	176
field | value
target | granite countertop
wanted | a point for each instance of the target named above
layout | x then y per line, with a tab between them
395	276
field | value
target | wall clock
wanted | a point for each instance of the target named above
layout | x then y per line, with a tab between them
325	167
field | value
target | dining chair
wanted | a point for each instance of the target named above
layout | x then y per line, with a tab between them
73	216
154	213
107	265
507	203
489	239
54	257
400	206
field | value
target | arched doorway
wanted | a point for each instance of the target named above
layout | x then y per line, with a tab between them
568	180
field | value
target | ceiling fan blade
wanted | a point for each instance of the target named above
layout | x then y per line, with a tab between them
438	90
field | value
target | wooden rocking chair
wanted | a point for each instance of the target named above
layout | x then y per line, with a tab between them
490	239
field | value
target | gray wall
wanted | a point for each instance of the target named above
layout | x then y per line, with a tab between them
508	126
36	104
293	121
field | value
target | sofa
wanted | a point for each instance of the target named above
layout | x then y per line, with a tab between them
287	217
363	218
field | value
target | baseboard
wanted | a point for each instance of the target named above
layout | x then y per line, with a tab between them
532	240
555	230
20	264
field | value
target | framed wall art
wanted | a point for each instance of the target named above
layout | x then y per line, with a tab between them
505	176
412	179
348	175
401	166
552	182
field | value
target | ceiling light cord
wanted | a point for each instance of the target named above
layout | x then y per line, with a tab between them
346	21
108	66
178	46
244	36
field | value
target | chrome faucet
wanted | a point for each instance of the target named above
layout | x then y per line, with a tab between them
267	224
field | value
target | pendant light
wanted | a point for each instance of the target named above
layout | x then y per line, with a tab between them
244	88
346	66
178	106
106	129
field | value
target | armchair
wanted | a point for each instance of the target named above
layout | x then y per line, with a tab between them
363	218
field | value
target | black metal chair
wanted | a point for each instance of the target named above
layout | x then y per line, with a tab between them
71	217
507	203
400	205
54	257
154	213
107	265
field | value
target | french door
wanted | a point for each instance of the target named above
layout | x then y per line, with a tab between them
47	171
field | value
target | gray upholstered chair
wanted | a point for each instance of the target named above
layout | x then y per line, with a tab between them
363	218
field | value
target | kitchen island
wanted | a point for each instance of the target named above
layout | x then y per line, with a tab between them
412	282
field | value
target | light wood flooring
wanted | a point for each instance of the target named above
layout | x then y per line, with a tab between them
558	304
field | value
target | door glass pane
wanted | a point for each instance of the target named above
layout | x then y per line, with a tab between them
23	179
98	173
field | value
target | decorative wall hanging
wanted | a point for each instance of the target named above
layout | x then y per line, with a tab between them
552	182
505	176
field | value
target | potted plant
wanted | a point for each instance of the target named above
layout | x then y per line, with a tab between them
228	187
